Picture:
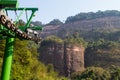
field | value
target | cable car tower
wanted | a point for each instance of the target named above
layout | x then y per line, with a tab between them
9	31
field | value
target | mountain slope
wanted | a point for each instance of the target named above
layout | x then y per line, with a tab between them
91	26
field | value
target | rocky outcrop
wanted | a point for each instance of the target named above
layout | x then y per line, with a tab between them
53	53
83	27
65	58
73	59
104	56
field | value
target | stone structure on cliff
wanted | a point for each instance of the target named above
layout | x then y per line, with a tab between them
66	58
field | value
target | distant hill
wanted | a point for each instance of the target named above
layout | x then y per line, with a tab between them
92	15
93	26
101	32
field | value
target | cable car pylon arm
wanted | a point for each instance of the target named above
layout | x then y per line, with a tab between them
9	30
20	32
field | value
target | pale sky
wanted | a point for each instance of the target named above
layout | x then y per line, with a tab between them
61	9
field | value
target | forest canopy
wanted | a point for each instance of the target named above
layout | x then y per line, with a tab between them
92	15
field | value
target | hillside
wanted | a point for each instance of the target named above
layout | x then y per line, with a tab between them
84	40
89	28
101	32
102	54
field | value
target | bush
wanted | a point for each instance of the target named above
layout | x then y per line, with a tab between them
93	73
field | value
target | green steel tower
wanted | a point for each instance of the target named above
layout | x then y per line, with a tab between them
9	29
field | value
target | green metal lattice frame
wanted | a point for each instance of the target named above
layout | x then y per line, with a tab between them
8	3
7	61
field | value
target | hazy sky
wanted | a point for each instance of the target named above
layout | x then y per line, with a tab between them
61	9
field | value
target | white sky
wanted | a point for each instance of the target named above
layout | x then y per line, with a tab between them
61	9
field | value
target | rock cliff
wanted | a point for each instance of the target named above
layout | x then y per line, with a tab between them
65	58
74	59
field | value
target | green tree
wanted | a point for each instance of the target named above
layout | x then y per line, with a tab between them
26	65
93	73
115	73
92	15
74	40
55	22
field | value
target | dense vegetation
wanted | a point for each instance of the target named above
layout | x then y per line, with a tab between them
92	15
55	22
75	41
97	73
52	39
26	65
102	53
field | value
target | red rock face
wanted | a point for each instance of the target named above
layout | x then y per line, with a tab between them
65	59
74	59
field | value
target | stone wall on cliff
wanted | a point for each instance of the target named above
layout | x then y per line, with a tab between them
65	58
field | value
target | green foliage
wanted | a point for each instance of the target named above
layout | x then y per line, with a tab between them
92	15
115	73
71	40
97	73
104	44
2	47
55	22
102	53
93	73
25	64
76	41
52	39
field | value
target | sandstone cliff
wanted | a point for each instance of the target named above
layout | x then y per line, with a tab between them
74	58
66	58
